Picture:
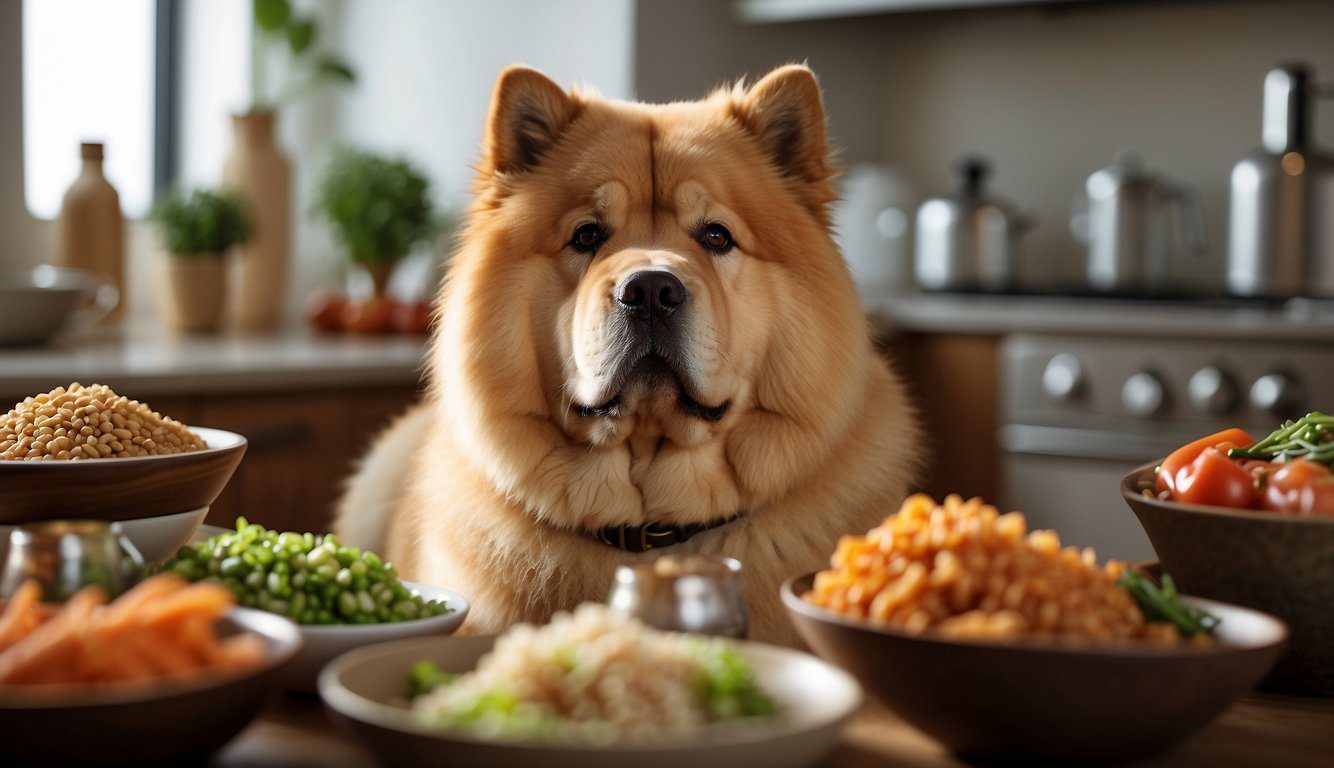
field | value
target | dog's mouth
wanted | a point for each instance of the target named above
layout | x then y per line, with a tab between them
653	370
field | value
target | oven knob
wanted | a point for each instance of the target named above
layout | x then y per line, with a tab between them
1143	394
1063	377
1212	391
1278	394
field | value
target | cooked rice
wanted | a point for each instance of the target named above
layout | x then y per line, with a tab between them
592	675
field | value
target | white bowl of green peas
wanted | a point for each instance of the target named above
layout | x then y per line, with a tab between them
340	597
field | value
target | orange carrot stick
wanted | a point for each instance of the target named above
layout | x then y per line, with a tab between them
54	651
16	621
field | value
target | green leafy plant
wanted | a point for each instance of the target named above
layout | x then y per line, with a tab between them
277	27
380	207
202	222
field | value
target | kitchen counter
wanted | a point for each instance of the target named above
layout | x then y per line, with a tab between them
1260	730
1297	320
148	359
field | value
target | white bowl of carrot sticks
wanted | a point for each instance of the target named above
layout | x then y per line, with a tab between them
167	672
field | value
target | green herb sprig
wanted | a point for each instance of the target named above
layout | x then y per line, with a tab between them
425	677
1164	604
726	683
1311	437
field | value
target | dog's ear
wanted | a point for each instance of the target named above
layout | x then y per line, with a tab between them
528	112
785	112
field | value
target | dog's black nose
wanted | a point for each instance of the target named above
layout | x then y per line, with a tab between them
651	293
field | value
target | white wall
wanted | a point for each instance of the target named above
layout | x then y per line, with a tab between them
425	71
426	68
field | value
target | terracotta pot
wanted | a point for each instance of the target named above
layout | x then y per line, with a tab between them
260	173
194	291
90	227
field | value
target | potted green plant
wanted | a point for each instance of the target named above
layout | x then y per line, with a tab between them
197	230
257	167
379	207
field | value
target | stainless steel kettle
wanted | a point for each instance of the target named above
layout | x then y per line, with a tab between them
1134	222
1281	229
966	241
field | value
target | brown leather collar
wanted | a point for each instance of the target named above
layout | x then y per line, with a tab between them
642	538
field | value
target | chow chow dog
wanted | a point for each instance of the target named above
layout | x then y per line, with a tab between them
647	342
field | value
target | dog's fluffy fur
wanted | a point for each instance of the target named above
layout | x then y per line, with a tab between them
491	485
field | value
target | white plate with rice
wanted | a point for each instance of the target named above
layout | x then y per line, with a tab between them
366	691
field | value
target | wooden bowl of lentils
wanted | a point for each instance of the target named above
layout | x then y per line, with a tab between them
86	452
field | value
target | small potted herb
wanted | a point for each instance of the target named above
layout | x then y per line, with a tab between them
379	207
198	229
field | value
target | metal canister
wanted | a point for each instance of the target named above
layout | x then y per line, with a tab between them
683	593
967	241
1281	225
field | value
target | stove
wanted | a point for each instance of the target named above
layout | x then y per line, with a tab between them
1079	412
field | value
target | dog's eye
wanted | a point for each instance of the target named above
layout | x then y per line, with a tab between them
588	237
716	238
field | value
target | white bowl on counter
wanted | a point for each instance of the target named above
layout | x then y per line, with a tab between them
365	693
36	304
322	643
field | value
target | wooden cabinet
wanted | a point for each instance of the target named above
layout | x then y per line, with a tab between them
952	379
303	445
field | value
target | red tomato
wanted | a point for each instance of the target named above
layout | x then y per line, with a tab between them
374	315
1259	470
1216	480
1318	498
1300	487
1188	453
324	310
414	317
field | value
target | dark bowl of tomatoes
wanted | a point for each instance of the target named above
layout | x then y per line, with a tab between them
1238	548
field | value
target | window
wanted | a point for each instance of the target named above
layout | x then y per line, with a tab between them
88	75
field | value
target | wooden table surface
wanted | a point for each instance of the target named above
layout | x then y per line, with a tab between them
1260	730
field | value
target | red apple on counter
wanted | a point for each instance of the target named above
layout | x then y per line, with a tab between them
413	317
324	310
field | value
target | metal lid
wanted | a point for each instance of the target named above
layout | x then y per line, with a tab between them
1285	108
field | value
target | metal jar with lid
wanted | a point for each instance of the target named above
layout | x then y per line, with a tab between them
1281	226
967	241
1134	222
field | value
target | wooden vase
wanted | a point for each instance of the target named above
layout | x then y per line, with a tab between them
261	174
90	227
194	291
